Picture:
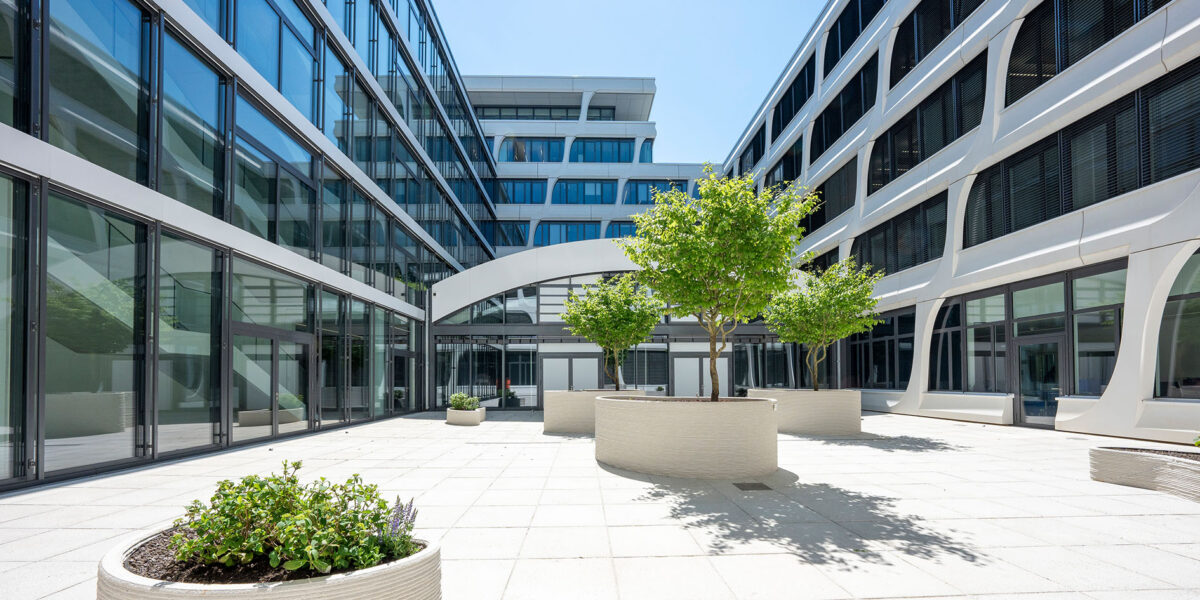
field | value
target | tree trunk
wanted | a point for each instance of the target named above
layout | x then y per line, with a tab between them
615	372
712	368
812	368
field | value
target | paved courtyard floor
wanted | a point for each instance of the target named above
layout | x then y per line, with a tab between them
914	507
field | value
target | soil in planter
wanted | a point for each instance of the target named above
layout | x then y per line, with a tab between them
1194	456
156	560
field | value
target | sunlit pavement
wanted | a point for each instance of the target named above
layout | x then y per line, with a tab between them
914	507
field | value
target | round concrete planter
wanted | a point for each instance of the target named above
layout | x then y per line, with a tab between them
686	438
1159	472
464	417
574	411
418	577
824	412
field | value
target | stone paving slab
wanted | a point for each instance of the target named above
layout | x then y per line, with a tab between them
911	508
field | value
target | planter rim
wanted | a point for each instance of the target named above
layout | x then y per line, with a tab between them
1156	455
114	564
465	410
725	400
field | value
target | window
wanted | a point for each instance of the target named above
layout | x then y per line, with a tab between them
1102	156
98	85
944	116
846	108
643	191
210	11
787	169
1079	26
95	334
529	113
337	88
945	350
882	358
822	261
13	248
915	236
263	296
646	154
924	28
12	67
334	210
331	372
602	113
549	233
618	229
278	40
836	194
524	191
1179	336
188	397
192	134
602	150
794	97
580	191
846	29
506	233
1097	304
754	151
525	149
272	196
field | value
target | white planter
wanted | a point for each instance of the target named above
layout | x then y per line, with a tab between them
418	577
464	417
701	440
824	412
574	411
1178	476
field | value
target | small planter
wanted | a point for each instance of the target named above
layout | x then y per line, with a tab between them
1149	470
464	417
418	577
682	437
824	412
574	411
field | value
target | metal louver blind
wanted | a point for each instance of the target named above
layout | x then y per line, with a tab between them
1173	109
1033	187
1032	62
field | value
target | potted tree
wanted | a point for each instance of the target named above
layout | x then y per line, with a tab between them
825	307
464	410
274	537
720	257
615	315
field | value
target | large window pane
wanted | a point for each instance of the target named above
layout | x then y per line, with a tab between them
330	375
1179	350
12	59
192	150
263	296
253	190
1096	339
95	334
97	84
209	10
379	361
295	214
296	79
1099	290
258	37
251	387
13	196
1174	129
1042	300
334	207
359	389
292	386
189	342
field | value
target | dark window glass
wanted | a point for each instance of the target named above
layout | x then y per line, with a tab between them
846	29
788	168
1033	60
1173	105
95	333
568	191
531	150
13	248
524	191
192	149
549	233
754	151
98	91
853	101
837	195
1033	188
794	97
1179	336
617	229
1089	24
915	236
646	154
1103	156
12	64
602	150
331	372
644	192
189	344
882	357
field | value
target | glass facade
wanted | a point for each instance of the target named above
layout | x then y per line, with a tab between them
13	248
847	107
592	150
915	236
1179	337
549	233
584	191
644	191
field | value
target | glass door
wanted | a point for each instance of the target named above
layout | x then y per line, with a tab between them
270	386
1040	368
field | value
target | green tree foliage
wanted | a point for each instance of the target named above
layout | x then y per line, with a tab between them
614	315
825	308
720	257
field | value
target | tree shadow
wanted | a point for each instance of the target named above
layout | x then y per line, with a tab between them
817	522
888	443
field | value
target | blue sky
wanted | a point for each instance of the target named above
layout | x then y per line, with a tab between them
713	61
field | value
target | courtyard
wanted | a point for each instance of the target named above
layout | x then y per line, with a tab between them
913	507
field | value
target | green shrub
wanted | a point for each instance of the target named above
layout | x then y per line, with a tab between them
461	401
321	526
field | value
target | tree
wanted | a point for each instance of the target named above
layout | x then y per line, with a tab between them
825	308
720	257
616	314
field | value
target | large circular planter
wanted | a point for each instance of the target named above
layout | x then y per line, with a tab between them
733	439
574	411
823	412
464	417
417	577
1159	472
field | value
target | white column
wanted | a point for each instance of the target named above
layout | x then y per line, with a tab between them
583	105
